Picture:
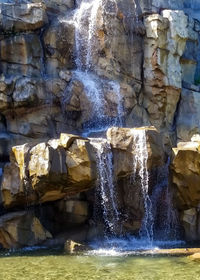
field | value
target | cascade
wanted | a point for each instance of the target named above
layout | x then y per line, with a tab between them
85	21
106	186
140	167
166	217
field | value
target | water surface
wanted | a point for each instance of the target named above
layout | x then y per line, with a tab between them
46	265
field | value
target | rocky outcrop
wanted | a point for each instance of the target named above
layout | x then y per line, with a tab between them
48	171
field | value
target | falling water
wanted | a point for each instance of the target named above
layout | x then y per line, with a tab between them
92	30
106	185
120	109
166	217
140	168
85	20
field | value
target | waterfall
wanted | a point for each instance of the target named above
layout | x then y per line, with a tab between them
140	168
166	217
106	186
92	30
85	21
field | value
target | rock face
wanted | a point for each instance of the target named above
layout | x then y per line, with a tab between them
186	182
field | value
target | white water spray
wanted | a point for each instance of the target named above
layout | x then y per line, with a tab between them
140	167
105	184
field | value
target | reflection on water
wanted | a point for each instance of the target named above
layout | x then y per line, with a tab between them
48	265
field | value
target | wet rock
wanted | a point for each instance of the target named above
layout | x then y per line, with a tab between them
72	247
20	229
123	142
59	47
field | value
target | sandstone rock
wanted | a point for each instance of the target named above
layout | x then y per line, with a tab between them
15	188
80	164
19	229
27	92
190	223
22	17
72	247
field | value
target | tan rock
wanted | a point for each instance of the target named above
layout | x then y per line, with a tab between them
72	247
19	229
48	171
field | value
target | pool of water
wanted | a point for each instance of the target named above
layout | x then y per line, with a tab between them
50	265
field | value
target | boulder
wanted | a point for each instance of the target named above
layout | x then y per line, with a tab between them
72	247
20	229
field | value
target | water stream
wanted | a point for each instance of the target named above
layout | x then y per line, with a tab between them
106	186
85	21
140	166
